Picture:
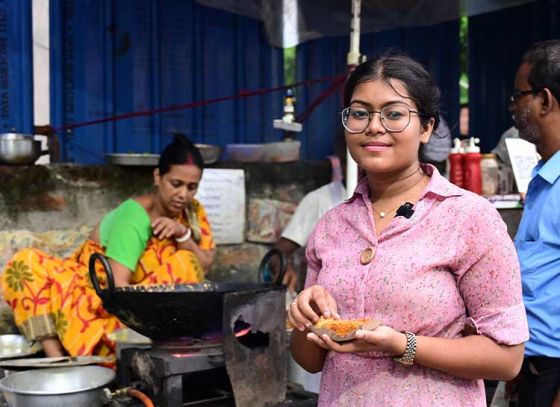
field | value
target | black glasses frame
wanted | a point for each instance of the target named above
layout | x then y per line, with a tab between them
370	116
517	93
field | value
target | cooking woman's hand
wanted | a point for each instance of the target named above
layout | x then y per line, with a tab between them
309	304
381	339
165	228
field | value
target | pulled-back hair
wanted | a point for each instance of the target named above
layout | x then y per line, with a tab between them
420	85
544	60
181	151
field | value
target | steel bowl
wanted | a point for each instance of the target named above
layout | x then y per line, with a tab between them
210	152
16	346
57	387
19	149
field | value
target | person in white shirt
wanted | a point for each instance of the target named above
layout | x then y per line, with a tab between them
310	209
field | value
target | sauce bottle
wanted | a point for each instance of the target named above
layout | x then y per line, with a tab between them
456	158
490	171
289	108
473	177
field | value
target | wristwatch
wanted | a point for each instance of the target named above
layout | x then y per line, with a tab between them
407	359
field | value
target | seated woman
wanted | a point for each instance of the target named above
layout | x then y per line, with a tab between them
162	237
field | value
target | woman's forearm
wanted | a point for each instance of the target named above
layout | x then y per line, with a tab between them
308	355
205	257
471	357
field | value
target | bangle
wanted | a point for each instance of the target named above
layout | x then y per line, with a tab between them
407	359
185	237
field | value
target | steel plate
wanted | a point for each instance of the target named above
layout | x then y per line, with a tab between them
146	160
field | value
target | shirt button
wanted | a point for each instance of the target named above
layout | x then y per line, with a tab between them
367	255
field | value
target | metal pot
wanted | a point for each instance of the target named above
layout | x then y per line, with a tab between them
57	387
19	149
164	312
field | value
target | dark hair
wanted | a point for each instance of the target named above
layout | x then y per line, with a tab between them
180	151
420	85
544	60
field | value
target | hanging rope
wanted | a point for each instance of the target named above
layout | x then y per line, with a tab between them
336	81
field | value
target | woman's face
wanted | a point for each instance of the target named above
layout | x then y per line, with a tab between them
377	149
177	187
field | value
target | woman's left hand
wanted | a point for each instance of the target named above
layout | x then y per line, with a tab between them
166	228
381	339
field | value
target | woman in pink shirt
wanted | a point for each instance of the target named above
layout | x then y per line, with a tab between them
440	273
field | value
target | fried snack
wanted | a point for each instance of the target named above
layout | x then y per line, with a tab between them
341	330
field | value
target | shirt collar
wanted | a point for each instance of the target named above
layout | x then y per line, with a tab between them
438	185
549	170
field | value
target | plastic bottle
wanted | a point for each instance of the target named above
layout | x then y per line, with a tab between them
456	158
490	172
473	177
289	108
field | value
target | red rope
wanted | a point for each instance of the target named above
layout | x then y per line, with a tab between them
319	99
243	94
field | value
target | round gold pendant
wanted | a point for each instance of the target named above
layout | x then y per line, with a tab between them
367	255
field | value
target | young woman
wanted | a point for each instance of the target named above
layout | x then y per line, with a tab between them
162	237
441	273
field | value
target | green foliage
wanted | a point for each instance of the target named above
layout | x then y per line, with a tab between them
464	59
289	65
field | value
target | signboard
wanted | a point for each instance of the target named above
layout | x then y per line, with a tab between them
523	156
222	192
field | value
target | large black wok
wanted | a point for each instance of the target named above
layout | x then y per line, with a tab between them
180	311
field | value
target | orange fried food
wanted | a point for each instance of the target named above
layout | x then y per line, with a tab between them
341	327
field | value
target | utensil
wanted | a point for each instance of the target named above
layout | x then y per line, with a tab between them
16	346
57	387
210	152
163	312
147	160
19	149
62	361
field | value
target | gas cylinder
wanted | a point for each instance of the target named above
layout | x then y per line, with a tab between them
473	177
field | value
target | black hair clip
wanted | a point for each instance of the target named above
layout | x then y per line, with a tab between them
405	210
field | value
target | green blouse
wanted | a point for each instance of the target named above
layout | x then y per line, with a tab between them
124	233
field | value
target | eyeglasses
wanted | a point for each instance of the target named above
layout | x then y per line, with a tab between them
517	93
394	118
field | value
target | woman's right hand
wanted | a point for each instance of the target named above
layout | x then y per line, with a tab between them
166	228
309	305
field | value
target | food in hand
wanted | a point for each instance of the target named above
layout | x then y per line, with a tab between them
341	330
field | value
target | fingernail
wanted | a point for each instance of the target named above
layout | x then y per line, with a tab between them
301	328
327	314
308	325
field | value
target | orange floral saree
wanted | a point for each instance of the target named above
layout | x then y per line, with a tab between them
54	297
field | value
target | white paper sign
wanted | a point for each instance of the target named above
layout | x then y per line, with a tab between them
222	192
523	156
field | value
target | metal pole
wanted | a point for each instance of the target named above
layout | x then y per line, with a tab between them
352	60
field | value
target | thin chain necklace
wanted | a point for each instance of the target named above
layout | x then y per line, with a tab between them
383	214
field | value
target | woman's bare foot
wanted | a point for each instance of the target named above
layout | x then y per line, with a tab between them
52	347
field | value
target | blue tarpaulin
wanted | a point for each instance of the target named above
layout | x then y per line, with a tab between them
111	58
16	67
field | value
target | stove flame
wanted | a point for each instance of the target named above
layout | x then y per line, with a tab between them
242	332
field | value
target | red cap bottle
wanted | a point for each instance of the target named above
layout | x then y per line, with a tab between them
473	176
456	157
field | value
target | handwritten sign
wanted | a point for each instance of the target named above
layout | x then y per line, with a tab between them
222	192
523	156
